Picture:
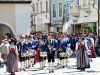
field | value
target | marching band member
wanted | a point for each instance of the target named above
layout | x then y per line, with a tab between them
59	50
42	52
52	45
34	44
29	51
22	49
63	53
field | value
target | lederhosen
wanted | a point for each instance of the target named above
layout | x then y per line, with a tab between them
51	51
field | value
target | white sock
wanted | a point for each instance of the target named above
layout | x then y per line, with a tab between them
50	66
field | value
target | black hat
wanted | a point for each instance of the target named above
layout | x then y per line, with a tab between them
12	40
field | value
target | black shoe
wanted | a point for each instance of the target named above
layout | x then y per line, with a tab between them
44	67
63	66
58	64
49	71
81	69
12	73
52	71
66	65
32	65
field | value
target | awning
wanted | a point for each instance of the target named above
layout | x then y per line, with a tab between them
86	20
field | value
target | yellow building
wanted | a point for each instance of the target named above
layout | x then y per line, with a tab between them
84	12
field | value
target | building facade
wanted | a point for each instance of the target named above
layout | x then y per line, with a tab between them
15	16
84	12
60	15
57	15
99	15
41	15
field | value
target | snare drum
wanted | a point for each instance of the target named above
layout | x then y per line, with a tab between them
33	52
62	54
23	54
43	54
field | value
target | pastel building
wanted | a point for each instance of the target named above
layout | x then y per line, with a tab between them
41	15
56	15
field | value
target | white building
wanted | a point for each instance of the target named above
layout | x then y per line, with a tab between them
41	15
15	16
84	12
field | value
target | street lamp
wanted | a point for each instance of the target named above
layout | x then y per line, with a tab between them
98	17
64	7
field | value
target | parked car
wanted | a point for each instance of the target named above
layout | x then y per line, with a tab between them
97	46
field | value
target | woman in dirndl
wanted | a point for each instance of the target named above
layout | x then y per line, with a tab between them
12	58
82	56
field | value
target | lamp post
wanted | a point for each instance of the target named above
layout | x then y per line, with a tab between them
98	17
64	6
33	17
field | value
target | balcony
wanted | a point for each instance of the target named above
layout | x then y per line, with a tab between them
75	11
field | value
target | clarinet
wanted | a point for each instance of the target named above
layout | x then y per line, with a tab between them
50	48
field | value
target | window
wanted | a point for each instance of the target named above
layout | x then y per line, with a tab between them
60	9
77	2
46	6
41	6
54	10
37	7
84	2
33	7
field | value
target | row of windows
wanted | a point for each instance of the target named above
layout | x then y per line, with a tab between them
85	2
60	10
36	8
54	8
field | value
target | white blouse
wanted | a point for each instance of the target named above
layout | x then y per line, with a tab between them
15	47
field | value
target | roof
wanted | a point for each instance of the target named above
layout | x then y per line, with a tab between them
15	1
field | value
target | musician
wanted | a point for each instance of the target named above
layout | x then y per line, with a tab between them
52	47
31	47
22	49
42	52
64	43
59	49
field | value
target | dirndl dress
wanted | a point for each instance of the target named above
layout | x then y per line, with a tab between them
12	60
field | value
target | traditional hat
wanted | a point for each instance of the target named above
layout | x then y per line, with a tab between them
12	40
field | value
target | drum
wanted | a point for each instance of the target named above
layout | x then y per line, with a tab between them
43	54
69	52
62	54
23	54
33	52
